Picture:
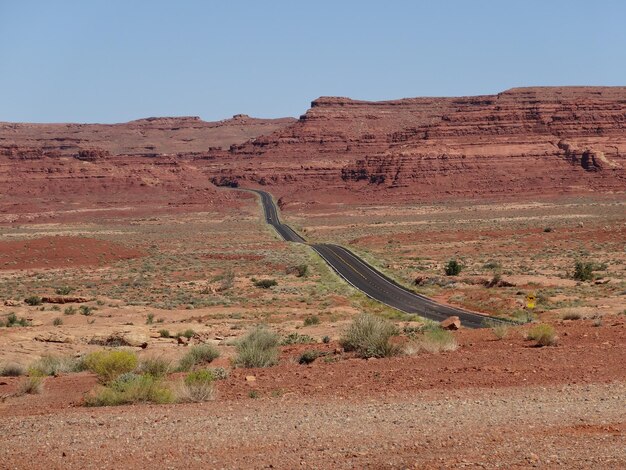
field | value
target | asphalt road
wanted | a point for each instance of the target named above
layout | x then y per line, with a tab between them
368	279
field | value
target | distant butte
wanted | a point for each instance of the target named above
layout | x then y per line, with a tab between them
524	142
542	140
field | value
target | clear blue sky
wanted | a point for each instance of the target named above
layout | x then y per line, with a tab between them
112	61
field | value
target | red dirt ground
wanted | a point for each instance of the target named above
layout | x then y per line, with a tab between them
61	252
584	355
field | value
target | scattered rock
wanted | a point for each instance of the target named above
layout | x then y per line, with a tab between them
54	337
182	340
250	378
12	303
121	338
338	351
451	323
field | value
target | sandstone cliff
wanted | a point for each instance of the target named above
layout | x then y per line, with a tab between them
522	141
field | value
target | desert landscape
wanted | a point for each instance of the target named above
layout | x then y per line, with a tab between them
151	317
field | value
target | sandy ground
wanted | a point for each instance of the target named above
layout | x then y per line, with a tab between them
489	404
521	427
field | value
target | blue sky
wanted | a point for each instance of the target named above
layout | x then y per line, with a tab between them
112	61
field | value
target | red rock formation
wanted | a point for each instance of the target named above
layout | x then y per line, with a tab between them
151	136
522	141
52	171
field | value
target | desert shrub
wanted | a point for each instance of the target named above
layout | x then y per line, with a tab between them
57	321
543	334
12	370
55	365
164	333
326	339
227	282
453	268
297	338
31	385
13	320
583	271
523	316
547	229
188	333
307	357
131	388
155	366
202	353
150	319
219	373
572	316
196	387
258	348
433	340
33	300
265	283
86	310
312	320
109	365
370	336
70	310
498	328
64	290
300	270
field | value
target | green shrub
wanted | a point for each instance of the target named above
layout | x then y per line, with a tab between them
30	385
164	333
86	310
64	290
370	336
499	329
55	365
188	333
300	270
12	370
13	320
33	300
202	353
70	310
108	365
433	340
57	321
312	320
296	338
150	319
265	283
307	357
453	268
155	366
326	339
259	348
547	229
583	271
543	334
131	388
196	387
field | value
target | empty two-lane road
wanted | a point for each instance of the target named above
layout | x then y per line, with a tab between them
368	279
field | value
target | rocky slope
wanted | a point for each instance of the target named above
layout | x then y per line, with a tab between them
151	136
52	171
522	141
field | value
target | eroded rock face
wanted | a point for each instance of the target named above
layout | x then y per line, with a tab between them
150	136
526	140
49	171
